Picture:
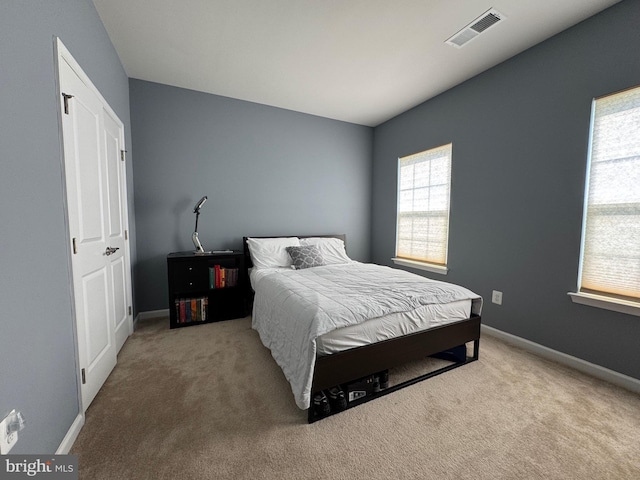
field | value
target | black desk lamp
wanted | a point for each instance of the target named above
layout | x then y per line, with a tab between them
194	237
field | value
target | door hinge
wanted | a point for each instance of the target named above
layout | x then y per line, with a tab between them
66	102
126	234
84	378
75	246
122	152
130	310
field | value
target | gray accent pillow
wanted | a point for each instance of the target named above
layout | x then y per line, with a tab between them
305	257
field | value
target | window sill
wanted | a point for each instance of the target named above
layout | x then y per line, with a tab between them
420	265
607	303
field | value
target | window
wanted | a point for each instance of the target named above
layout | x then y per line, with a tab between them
422	233
610	257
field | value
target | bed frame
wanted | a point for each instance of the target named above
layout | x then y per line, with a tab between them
347	366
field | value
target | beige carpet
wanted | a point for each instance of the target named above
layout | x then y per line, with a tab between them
208	402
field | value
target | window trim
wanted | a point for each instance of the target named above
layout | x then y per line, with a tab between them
429	267
606	303
418	263
580	296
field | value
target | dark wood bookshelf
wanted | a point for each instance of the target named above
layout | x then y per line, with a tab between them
196	297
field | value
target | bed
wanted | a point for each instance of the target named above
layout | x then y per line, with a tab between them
330	321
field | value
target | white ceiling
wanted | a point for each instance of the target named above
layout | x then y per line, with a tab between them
360	61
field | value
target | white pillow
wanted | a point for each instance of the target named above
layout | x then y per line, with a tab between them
271	252
332	249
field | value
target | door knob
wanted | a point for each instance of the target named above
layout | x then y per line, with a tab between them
110	250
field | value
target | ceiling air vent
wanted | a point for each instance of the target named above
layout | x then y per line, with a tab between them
475	28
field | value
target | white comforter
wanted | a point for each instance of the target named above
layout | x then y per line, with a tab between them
294	307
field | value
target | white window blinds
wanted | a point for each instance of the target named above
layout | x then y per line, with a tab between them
424	182
611	237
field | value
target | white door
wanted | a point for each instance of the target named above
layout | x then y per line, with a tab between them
96	208
116	225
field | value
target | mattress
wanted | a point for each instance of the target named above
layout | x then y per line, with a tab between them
392	326
385	327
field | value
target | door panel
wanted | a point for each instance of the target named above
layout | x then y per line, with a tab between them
112	149
96	304
88	197
119	294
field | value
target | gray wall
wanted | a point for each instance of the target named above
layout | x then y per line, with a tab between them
266	171
37	347
520	136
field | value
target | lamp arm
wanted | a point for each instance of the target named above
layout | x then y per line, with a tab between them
197	215
194	237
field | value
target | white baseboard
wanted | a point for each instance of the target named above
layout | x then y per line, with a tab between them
583	366
70	438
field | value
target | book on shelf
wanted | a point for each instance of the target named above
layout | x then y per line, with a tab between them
190	310
194	310
222	277
203	308
183	311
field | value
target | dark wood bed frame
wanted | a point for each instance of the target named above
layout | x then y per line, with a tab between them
349	365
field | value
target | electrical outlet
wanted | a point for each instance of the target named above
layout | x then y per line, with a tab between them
496	297
7	439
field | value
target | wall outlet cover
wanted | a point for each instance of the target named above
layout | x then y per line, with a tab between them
496	297
7	439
